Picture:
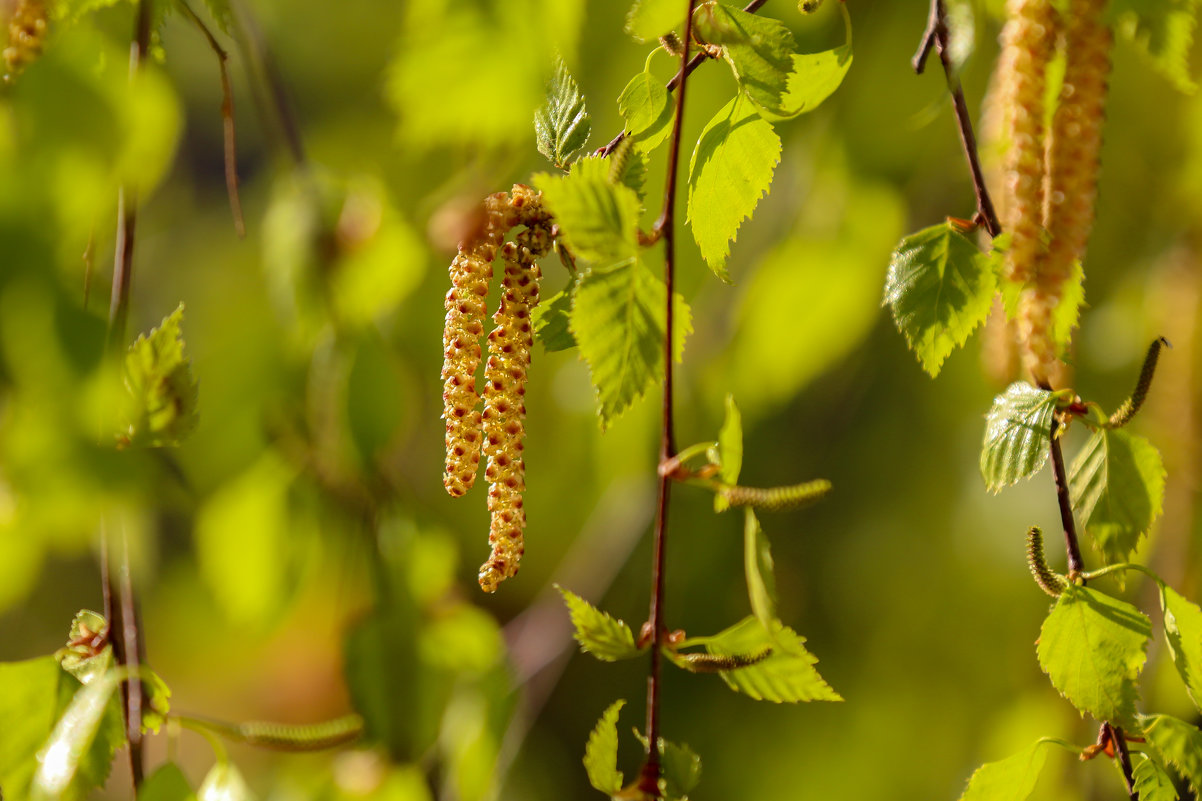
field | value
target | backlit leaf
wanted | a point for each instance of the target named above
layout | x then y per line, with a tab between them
730	451
1183	633
814	78
1152	783
681	768
1117	489
1017	434
224	782
601	752
1092	647
70	743
787	675
551	318
648	112
599	634
650	19
167	783
1009	779
760	571
28	707
1068	310
759	50
599	219
561	124
160	403
939	288
1178	744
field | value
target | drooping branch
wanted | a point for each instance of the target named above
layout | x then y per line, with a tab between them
1072	545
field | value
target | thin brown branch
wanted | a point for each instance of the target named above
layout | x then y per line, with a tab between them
256	54
1123	756
686	69
936	36
227	119
1071	543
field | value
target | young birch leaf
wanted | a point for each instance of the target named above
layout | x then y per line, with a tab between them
561	124
221	13
601	752
599	219
1164	30
1116	485
939	288
1152	782
1018	434
730	451
758	49
224	783
551	318
787	675
599	634
70	744
1009	779
681	769
28	709
1177	743
814	78
730	171
1183	634
650	19
168	783
160	402
1092	647
760	571
648	113
1068	310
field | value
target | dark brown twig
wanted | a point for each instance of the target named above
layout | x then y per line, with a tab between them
686	69
1071	544
1119	738
936	36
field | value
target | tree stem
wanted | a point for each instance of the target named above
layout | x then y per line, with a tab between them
1071	544
1119	738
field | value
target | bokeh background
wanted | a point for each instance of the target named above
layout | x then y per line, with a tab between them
299	549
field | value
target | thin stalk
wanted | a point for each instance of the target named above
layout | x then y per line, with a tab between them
1123	757
1071	543
666	226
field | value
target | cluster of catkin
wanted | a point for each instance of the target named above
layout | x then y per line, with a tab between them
500	428
26	33
1050	170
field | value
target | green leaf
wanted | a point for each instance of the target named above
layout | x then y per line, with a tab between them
1116	485
1068	310
648	113
551	319
939	288
787	675
1164	31
160	404
79	657
760	571
1152	783
28	707
599	634
1183	634
221	13
730	171
561	124
650	19
1177	743
1092	647
814	78
1009	779
224	783
168	783
599	219
758	49
618	322
69	746
681	768
1018	434
601	752
730	451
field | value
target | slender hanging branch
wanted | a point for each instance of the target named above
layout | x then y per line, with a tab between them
666	226
1123	756
1071	544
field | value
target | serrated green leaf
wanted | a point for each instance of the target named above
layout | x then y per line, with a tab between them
28	706
758	49
159	407
760	571
1152	782
1183	634
730	451
648	20
224	782
1164	31
814	78
648	113
601	752
1018	434
70	743
1068	310
1116	485
681	769
1177	743
1009	779
731	169
1092	647
618	322
561	124
787	675
939	288
551	318
167	783
599	219
604	637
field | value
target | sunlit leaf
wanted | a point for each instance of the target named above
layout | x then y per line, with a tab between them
551	318
71	741
1183	634
760	571
730	451
650	19
648	112
1009	779
1092	647
1117	488
1152	782
599	219
730	171
561	124
28	706
759	50
681	769
167	783
939	288
814	78
1177	743
1018	432
787	675
224	782
1164	30
1068	310
601	752
604	637
160	404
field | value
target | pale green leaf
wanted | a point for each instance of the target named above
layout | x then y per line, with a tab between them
730	171
760	571
224	782
604	637
730	451
1152	783
561	123
1116	485
1164	31
1009	779
601	752
814	78
70	743
159	407
1068	310
551	318
787	675
167	783
939	288
648	113
1092	647
759	50
650	19
1018	432
1183	634
598	219
681	767
28	707
1179	744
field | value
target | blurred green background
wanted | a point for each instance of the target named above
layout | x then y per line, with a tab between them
302	534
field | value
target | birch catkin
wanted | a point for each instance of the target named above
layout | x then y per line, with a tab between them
26	33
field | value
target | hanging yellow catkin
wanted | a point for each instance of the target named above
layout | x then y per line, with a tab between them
509	346
26	33
470	272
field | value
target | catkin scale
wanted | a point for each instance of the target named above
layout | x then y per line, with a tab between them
26	34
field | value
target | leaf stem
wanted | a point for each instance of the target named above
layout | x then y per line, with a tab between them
649	775
1071	544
